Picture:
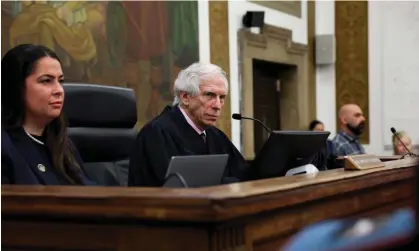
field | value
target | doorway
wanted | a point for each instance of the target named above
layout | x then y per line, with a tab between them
268	79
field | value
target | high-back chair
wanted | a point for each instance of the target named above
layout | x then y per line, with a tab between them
101	122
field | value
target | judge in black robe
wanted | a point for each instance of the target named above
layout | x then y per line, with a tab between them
187	128
169	135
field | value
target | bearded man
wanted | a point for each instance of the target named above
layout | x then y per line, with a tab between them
352	125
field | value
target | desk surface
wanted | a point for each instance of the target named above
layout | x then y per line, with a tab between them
209	204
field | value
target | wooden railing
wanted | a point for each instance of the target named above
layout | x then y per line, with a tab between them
258	215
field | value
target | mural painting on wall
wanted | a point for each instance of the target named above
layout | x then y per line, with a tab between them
137	44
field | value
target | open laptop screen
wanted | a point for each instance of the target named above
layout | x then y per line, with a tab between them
196	170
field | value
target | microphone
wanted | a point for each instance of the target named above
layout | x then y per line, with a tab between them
393	130
238	116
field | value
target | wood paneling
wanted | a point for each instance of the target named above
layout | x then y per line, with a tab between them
351	29
258	215
311	32
219	51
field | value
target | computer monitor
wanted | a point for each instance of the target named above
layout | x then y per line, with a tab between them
196	171
285	150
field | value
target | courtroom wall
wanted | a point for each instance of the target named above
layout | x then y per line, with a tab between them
393	72
325	74
298	25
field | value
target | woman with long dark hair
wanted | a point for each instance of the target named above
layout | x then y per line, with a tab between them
35	148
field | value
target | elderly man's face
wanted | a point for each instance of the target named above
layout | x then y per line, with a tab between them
205	108
400	149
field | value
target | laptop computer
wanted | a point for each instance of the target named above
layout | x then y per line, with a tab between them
195	171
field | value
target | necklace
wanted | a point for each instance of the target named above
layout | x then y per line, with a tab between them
34	139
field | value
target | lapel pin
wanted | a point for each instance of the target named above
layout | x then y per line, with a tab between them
41	168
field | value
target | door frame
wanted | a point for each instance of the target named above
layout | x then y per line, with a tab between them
274	44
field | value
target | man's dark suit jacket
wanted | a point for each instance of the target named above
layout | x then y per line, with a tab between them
22	163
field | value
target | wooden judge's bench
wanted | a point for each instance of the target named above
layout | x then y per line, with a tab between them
259	215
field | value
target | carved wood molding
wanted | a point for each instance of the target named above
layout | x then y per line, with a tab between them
276	33
219	52
351	29
229	238
255	40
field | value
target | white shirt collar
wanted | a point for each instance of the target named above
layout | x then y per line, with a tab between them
190	122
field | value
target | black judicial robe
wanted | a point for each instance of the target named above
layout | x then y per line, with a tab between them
24	162
169	134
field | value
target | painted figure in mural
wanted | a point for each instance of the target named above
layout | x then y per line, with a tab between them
183	35
163	34
137	44
56	25
146	32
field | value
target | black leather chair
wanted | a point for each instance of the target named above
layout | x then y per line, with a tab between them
101	122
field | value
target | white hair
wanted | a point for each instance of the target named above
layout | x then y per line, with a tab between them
191	78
